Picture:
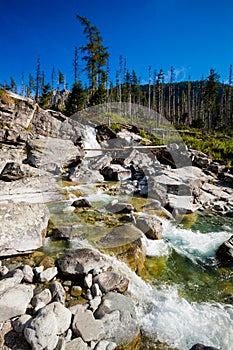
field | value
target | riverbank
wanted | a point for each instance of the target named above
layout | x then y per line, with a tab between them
125	203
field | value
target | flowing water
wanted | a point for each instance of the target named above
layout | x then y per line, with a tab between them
183	297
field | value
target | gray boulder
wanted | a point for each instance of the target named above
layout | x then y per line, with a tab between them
121	208
85	175
151	226
81	261
118	315
22	227
58	292
44	330
86	326
115	172
110	281
52	154
14	301
76	344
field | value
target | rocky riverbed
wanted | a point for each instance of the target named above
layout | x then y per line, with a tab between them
79	300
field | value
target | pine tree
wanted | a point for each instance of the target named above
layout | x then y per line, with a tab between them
210	98
76	99
96	54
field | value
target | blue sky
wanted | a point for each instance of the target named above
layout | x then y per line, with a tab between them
193	36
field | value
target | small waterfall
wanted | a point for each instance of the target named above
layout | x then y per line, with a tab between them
90	142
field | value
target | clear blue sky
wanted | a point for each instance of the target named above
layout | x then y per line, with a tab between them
191	35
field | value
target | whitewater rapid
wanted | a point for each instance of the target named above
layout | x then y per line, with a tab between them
167	317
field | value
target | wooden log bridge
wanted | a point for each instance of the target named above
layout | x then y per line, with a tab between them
124	148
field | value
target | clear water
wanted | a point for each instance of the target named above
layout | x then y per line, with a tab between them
183	297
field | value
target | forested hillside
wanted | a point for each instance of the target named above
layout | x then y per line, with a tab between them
206	104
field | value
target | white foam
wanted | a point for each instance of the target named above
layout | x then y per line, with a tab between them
194	245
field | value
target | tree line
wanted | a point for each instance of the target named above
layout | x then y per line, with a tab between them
206	104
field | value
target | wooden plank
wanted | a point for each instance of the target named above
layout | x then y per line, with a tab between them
124	148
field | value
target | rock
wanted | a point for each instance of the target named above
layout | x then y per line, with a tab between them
76	344
44	330
14	301
105	345
181	204
3	271
121	208
86	326
101	162
52	154
38	189
11	281
119	318
88	280
63	232
85	175
19	110
22	227
81	261
151	226
94	303
115	172
95	290
21	322
12	171
202	347
152	189
28	274
81	203
58	292
44	297
139	158
126	243
48	274
110	281
225	252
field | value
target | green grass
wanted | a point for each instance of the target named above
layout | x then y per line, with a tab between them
218	146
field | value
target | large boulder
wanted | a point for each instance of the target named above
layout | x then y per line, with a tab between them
126	243
119	319
15	300
85	175
115	172
150	225
52	154
22	227
51	321
85	325
81	261
111	281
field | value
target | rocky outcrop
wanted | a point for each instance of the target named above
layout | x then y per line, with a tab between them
22	227
52	154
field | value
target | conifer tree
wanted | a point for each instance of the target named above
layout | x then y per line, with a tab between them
96	54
